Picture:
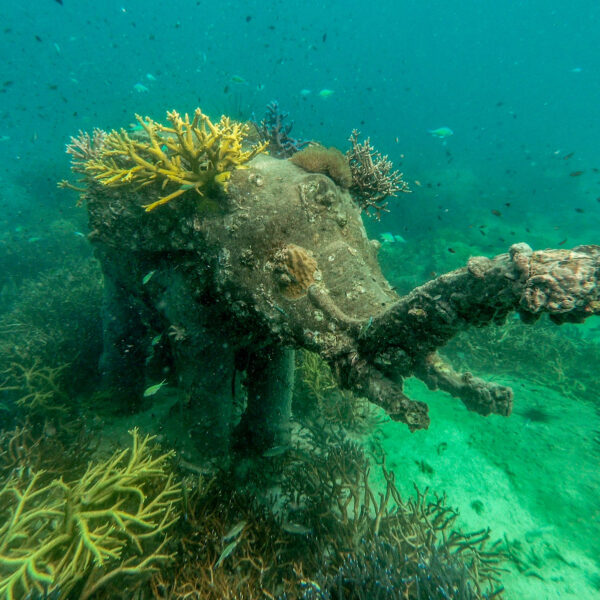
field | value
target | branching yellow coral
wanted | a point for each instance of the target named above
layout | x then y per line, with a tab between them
192	154
53	535
36	388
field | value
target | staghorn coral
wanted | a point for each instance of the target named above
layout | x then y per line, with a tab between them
329	491
83	148
23	450
193	155
329	161
71	539
55	322
326	531
272	130
372	177
37	388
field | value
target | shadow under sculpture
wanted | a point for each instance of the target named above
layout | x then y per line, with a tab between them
282	261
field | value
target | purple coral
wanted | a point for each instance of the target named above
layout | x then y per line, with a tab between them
273	130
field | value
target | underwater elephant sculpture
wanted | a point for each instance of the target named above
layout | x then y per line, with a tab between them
282	261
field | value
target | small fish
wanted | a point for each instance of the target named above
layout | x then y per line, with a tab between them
441	132
496	213
140	88
79	234
579	210
387	238
452	250
156	339
304	92
295	528
234	531
366	327
275	451
153	389
568	156
238	79
31	240
563	242
325	93
226	552
576	173
150	77
148	277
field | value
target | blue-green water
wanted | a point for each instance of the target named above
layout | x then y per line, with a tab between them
518	86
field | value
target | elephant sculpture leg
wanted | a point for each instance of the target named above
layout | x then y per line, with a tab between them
203	361
122	363
270	383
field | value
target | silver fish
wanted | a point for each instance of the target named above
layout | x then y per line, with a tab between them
228	550
275	451
296	528
234	531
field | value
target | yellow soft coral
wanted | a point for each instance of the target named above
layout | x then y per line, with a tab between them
191	154
109	522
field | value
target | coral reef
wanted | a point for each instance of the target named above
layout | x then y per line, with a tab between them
70	539
194	155
23	451
40	386
324	527
277	134
373	179
49	344
329	161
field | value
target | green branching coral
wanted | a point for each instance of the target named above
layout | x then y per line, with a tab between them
75	537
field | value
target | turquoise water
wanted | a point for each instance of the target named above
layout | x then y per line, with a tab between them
516	87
